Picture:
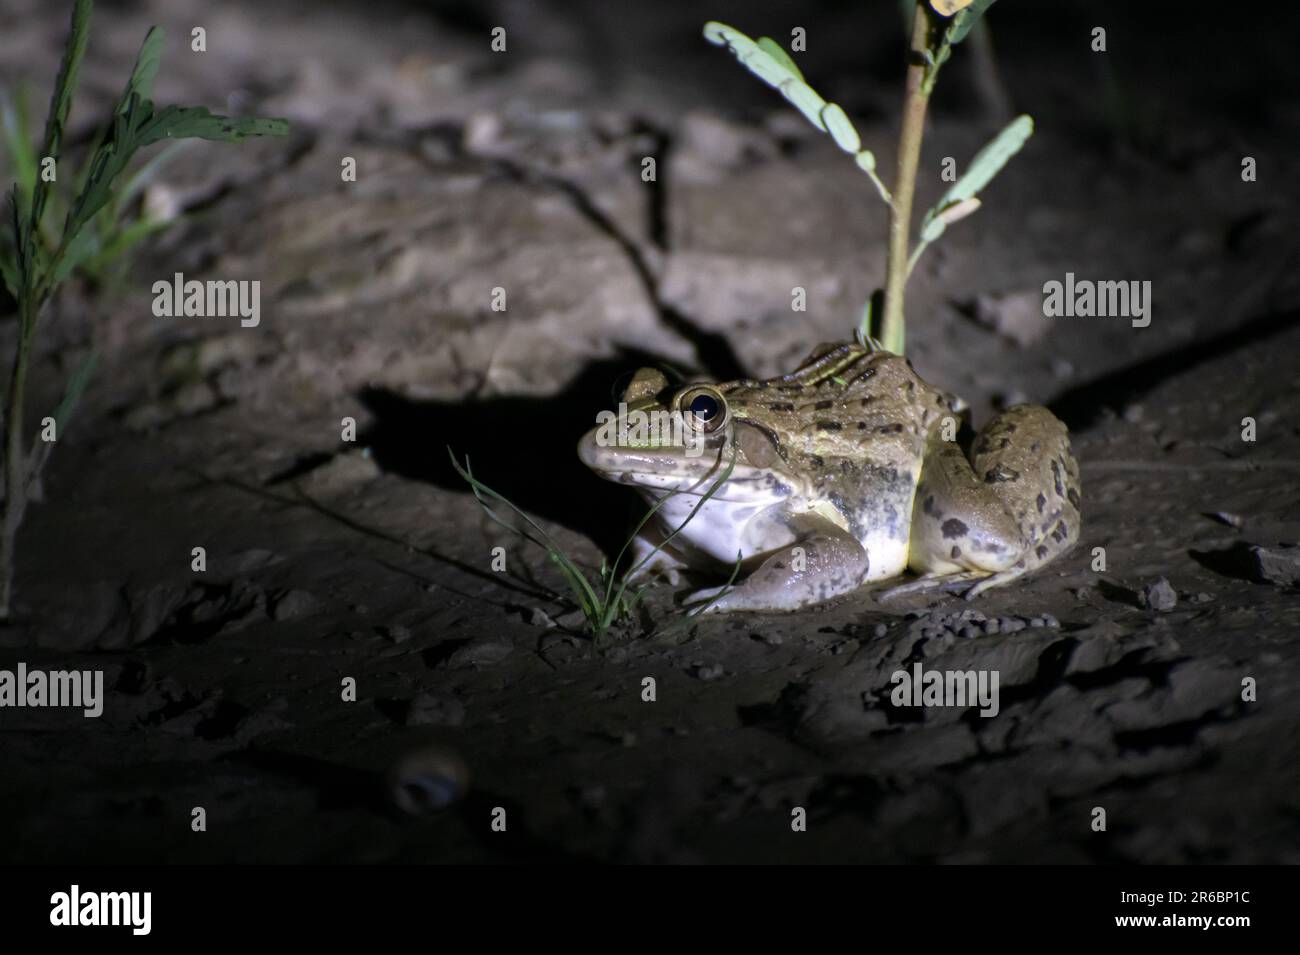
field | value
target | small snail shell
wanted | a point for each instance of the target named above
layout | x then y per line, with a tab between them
427	778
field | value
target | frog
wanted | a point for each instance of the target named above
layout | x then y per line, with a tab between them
842	474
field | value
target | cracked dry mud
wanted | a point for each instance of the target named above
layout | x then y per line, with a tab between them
372	561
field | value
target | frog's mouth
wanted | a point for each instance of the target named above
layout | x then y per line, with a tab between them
659	471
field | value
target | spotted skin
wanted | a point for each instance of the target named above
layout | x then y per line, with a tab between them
1006	511
840	476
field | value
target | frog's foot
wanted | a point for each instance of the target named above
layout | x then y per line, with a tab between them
1057	542
650	562
935	583
826	561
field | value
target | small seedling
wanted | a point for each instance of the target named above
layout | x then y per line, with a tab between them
937	26
113	233
612	597
41	255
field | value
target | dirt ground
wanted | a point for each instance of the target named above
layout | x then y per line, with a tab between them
370	560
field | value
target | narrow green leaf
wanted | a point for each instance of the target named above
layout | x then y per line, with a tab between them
65	86
9	272
770	70
74	390
966	19
78	250
841	128
138	180
988	162
18	145
122	240
22	249
726	588
196	122
775	51
146	68
806	100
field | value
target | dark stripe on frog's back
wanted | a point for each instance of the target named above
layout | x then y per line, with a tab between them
843	374
826	363
842	391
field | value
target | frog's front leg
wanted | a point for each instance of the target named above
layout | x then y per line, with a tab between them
1010	509
824	561
652	557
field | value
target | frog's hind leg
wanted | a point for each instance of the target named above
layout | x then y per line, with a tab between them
1011	508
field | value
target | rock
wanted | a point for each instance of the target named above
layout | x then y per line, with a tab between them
1159	595
293	603
1015	315
396	633
481	651
1281	566
435	709
1223	517
341	473
540	618
427	778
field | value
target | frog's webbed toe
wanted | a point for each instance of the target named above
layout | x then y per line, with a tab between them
936	583
824	562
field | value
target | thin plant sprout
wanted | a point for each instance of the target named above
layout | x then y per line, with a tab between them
40	255
936	27
610	600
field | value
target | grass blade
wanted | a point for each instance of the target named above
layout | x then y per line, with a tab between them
60	105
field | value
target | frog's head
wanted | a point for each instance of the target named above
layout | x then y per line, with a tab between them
666	439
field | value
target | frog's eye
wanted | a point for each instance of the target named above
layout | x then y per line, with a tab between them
704	409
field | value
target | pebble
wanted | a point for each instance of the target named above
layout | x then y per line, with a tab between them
428	709
969	624
540	618
1159	595
481	651
292	603
427	778
395	633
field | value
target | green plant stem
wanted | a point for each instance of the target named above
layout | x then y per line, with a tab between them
909	157
15	491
